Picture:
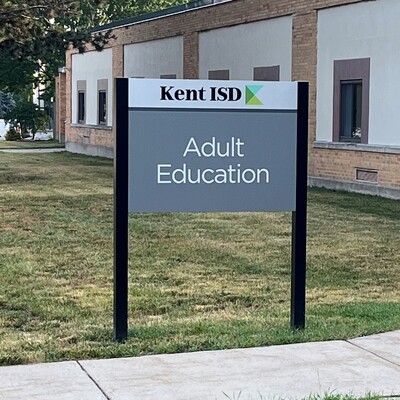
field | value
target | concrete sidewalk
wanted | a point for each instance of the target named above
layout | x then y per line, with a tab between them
360	366
33	150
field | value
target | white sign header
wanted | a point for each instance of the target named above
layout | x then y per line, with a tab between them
207	94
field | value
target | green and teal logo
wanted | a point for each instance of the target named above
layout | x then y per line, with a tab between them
251	98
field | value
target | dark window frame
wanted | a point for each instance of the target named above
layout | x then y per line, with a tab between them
350	111
269	73
168	76
81	102
102	95
219	75
348	71
102	107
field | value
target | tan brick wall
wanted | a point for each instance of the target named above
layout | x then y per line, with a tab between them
57	103
91	135
304	59
329	163
342	164
191	55
118	61
61	115
68	102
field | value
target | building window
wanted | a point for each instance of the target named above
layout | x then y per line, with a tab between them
81	106
102	107
266	73
351	100
168	76
219	75
350	110
81	86
102	86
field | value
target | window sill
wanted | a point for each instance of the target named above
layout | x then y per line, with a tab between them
373	148
103	127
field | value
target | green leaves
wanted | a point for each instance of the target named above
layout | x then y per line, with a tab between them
28	116
34	35
6	103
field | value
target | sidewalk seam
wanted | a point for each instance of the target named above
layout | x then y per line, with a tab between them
92	379
374	354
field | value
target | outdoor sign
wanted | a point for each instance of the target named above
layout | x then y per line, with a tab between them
204	146
212	146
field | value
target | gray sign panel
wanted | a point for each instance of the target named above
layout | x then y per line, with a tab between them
202	160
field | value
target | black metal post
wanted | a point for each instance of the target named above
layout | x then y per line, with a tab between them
299	217
121	209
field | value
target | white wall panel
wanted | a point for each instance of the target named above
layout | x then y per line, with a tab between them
368	29
154	58
91	67
241	48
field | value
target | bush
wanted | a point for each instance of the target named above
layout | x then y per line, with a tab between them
28	116
12	135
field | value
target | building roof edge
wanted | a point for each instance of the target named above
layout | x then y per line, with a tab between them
193	5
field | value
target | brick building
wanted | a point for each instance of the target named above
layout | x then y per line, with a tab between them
347	49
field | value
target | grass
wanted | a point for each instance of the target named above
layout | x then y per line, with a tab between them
344	397
326	396
30	144
197	281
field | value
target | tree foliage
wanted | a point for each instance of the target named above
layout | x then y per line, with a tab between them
36	22
17	75
34	34
27	117
114	10
6	103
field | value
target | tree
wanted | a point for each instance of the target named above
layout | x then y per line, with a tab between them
34	34
28	117
6	103
114	10
25	22
17	75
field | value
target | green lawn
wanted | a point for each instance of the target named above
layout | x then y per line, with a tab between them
330	396
29	144
327	396
197	281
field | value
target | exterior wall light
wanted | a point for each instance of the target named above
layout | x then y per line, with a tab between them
63	70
